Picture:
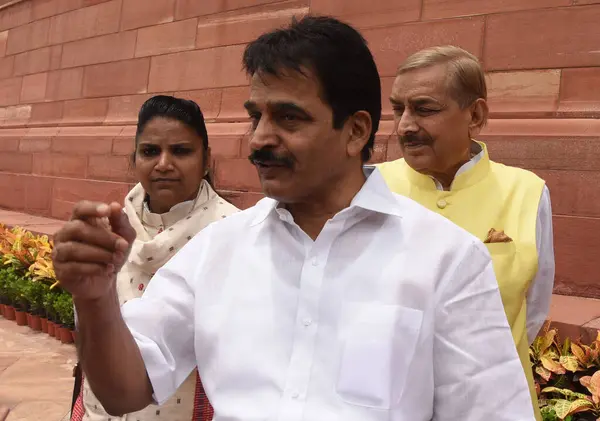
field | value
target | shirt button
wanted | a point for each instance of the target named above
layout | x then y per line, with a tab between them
315	261
307	322
295	395
442	204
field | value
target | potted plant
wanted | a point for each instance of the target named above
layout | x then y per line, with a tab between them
4	292
575	406
49	299
42	273
22	304
567	377
34	293
11	291
64	308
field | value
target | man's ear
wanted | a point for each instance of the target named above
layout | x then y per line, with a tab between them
479	114
359	132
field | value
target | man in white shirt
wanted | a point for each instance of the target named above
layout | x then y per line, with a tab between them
439	100
332	299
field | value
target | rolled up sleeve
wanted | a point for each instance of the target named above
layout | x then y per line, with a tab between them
477	371
162	323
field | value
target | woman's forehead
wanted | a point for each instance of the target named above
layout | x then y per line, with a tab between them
168	129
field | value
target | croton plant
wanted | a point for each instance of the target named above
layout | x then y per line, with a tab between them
27	278
567	376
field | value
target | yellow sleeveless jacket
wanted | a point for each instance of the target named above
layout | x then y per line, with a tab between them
488	195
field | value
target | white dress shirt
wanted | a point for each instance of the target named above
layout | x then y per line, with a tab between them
539	294
393	313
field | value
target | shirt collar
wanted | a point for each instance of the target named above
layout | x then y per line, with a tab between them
469	174
374	196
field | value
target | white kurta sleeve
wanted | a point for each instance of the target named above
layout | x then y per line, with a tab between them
162	321
540	291
475	357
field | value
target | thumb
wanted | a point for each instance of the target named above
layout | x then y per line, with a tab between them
120	223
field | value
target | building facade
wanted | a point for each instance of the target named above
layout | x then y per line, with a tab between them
73	74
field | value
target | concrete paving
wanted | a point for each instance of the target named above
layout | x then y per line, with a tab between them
36	371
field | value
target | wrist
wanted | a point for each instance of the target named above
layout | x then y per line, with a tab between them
103	307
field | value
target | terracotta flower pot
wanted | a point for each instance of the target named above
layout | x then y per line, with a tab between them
44	323
1	309
74	335
51	328
21	318
35	322
9	313
65	335
29	319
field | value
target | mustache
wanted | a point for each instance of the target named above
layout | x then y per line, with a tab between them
258	156
415	138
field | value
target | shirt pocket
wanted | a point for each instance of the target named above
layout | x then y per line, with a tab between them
378	342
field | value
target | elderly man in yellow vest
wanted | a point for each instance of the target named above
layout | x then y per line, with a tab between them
439	101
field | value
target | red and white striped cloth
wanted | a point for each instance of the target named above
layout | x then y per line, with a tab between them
203	410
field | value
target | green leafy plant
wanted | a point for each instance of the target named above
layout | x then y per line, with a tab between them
49	301
567	377
22	283
64	309
567	403
549	414
4	287
26	270
34	293
12	285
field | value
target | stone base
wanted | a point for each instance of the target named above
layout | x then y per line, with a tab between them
35	224
575	317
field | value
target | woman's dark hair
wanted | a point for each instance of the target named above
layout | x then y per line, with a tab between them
339	57
183	110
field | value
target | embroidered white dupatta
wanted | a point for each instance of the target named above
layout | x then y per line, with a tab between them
148	254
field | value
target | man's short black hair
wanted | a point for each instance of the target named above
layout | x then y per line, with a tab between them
339	57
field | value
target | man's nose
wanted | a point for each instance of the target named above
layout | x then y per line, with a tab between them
264	135
406	123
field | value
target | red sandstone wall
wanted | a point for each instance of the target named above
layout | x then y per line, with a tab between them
74	72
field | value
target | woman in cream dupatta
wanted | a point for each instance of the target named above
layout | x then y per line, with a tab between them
173	202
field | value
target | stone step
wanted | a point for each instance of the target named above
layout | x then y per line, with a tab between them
35	224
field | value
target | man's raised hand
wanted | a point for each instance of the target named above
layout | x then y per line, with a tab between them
91	249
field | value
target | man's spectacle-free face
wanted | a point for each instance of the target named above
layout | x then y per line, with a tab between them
297	152
433	130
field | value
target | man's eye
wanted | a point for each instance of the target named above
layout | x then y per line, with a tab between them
289	117
426	110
